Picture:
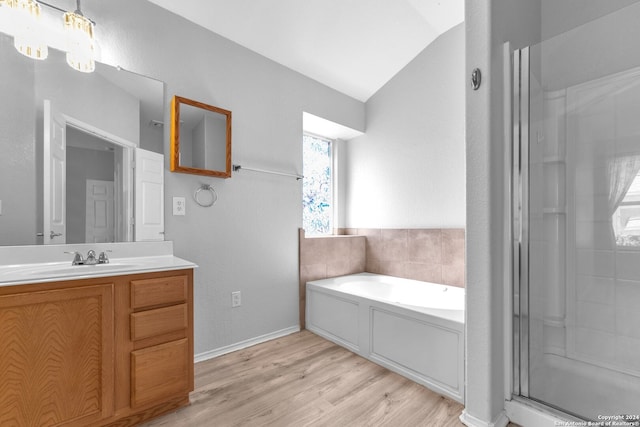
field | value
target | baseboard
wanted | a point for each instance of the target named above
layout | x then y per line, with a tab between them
469	420
200	357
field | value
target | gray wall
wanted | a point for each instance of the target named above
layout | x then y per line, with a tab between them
151	137
408	170
17	145
209	142
198	137
216	130
248	240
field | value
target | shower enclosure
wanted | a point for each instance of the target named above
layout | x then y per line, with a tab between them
576	228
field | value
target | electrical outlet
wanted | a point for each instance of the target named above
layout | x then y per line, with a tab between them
179	206
236	299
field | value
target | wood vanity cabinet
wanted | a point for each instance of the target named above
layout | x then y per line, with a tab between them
95	352
162	360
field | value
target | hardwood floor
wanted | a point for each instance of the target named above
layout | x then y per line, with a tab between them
305	380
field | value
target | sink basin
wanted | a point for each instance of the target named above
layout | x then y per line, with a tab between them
74	270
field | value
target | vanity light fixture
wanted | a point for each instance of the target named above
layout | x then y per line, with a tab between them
21	18
79	31
24	17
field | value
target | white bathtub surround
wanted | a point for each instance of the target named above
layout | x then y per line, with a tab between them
413	328
428	255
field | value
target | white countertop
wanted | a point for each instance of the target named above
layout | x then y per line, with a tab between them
20	274
21	264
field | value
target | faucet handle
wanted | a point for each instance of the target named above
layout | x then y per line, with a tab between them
103	258
77	257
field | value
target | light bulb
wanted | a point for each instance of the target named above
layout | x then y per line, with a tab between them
80	51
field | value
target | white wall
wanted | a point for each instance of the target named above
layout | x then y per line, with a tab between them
408	170
248	240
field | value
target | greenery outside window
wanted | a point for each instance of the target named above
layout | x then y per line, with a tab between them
317	187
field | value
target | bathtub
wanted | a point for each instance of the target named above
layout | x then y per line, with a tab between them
410	327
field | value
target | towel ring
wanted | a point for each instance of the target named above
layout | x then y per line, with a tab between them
197	196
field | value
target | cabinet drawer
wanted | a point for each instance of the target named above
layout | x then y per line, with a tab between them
159	321
160	291
159	372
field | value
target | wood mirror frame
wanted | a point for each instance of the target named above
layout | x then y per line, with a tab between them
176	165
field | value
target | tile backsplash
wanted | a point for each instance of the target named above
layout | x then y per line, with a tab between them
430	255
330	256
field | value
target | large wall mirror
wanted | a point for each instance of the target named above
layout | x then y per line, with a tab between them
69	141
200	138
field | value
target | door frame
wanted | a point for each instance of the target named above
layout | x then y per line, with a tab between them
123	184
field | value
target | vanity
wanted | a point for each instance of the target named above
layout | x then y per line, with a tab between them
108	341
108	344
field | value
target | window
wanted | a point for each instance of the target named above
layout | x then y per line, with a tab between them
317	185
626	217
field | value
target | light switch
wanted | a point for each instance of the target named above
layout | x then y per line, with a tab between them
179	206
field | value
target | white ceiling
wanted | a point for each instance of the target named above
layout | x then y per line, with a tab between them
353	46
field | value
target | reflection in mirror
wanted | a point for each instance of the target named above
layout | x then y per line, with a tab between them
68	141
91	168
200	138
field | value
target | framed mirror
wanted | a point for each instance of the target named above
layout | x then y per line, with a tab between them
200	138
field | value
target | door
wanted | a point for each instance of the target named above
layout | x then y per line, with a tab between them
54	175
99	225
577	233
149	195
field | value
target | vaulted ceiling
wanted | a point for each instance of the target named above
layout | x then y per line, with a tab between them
353	46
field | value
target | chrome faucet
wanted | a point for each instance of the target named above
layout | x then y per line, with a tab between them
91	258
103	258
77	258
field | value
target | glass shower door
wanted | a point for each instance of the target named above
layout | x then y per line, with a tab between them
577	228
